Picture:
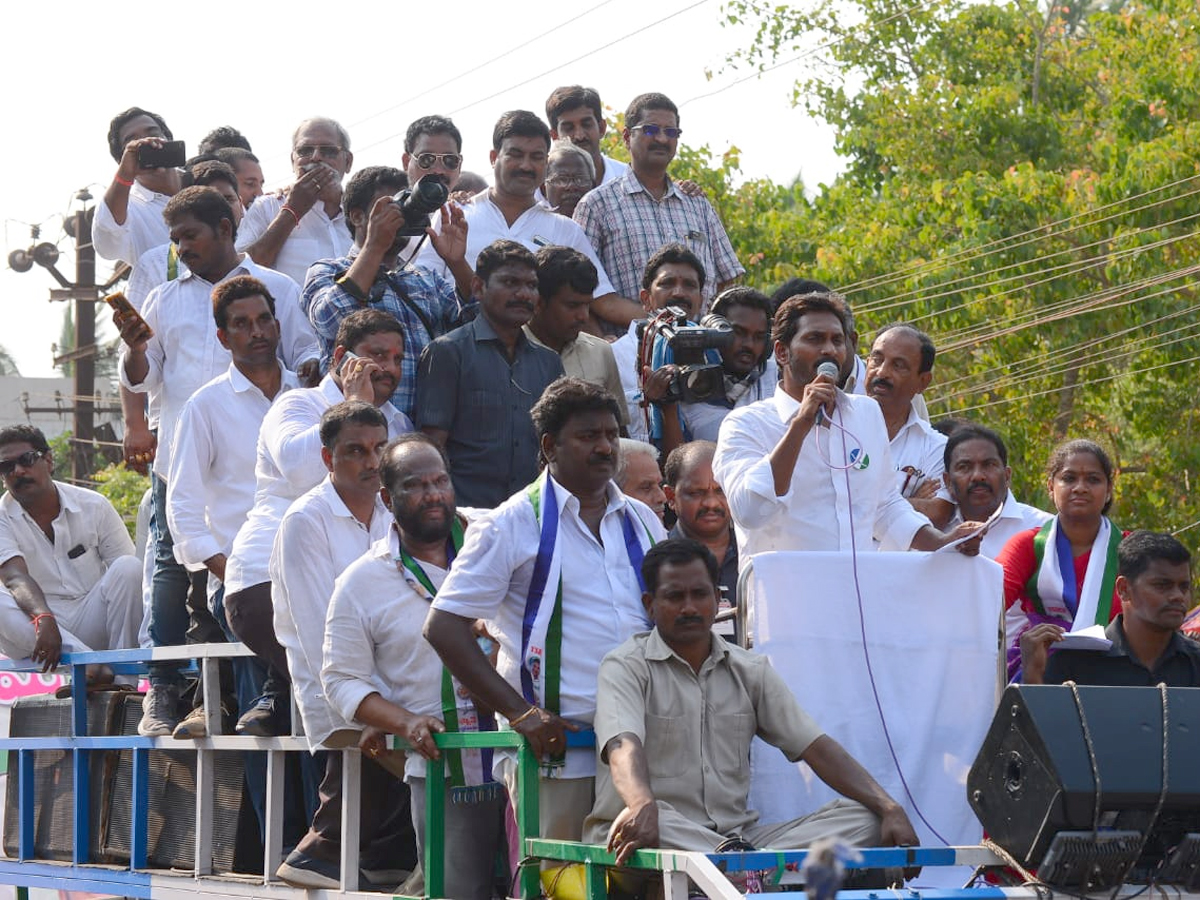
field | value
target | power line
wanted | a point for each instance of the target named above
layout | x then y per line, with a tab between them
461	75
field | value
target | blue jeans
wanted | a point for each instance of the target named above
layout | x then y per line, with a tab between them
168	590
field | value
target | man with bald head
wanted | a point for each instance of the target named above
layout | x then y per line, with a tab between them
292	229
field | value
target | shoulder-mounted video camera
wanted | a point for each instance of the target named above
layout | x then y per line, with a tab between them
698	380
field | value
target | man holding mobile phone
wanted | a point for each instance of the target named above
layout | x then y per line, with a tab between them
130	220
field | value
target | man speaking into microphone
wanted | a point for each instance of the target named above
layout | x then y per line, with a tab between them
810	468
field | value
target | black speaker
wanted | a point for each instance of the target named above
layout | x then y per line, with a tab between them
1033	777
54	775
236	846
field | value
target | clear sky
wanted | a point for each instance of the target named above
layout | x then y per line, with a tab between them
264	65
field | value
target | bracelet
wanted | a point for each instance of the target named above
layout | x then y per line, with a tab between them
287	209
121	181
347	284
512	723
37	620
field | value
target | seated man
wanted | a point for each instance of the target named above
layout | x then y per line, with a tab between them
71	579
676	711
1154	582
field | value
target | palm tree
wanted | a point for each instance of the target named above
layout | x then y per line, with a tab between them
8	365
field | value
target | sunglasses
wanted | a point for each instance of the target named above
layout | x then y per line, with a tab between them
653	131
449	160
325	151
25	460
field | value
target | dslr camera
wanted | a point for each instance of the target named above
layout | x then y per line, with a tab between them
416	203
698	380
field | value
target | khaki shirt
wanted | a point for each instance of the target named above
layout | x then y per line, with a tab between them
591	358
696	728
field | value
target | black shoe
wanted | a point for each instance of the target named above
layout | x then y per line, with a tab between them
302	870
269	716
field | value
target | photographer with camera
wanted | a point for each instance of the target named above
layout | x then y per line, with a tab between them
717	366
371	275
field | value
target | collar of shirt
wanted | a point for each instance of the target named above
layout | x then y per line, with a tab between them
786	405
241	384
634	186
657	648
66	503
484	331
142	194
568	502
1115	632
331	392
245	266
338	507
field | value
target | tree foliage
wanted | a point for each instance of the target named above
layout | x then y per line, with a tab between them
1021	183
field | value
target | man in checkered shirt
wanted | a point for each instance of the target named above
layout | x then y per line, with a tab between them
628	219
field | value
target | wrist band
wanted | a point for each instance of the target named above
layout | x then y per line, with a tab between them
347	284
121	181
523	716
287	209
37	620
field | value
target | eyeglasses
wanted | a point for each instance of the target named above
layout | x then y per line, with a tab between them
25	460
325	151
653	131
580	181
449	160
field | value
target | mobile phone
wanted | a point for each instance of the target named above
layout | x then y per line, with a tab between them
170	155
120	303
350	354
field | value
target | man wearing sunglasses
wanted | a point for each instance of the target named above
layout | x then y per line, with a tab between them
628	219
433	146
290	230
71	579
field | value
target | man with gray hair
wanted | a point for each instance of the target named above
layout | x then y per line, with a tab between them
638	475
290	230
570	173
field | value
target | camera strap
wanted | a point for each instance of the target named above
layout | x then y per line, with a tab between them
394	282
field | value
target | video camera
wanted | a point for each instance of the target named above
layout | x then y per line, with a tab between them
416	203
698	380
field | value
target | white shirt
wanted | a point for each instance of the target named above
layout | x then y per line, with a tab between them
815	512
602	598
316	236
210	485
151	270
184	353
613	169
318	539
1014	517
85	520
916	444
624	351
288	464
373	641
537	227
144	226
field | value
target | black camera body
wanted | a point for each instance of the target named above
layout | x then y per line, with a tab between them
697	379
417	203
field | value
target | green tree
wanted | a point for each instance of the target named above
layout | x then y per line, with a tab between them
1020	183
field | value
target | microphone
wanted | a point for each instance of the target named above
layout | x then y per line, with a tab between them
829	369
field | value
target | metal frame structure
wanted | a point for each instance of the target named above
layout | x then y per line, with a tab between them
708	871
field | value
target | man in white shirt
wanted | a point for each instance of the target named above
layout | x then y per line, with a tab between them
379	671
899	368
156	265
177	351
978	479
366	366
572	535
509	209
210	486
575	114
291	230
321	534
71	579
796	483
129	220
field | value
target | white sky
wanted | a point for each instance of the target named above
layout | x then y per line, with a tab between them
69	66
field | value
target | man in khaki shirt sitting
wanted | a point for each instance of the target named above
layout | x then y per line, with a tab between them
676	710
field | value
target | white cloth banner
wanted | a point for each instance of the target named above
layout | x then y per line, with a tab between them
932	648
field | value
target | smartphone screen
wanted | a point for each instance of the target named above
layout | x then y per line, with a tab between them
170	155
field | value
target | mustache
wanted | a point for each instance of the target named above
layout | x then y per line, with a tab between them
979	484
879	382
689	620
